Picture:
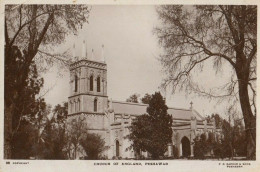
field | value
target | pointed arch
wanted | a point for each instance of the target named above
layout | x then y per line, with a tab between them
75	106
98	84
185	142
91	82
76	83
117	148
95	104
78	105
70	106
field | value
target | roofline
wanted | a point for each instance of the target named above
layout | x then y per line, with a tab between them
131	103
88	60
199	114
142	104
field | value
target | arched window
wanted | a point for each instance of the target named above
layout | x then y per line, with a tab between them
95	105
78	105
117	148
76	83
70	107
75	106
98	84
91	83
185	147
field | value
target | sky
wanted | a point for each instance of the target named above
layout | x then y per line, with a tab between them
131	53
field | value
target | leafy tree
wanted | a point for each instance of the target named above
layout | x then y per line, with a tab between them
204	146
61	111
146	99
53	134
200	147
25	107
152	132
76	131
133	98
233	141
30	31
218	120
93	145
41	136
54	141
194	36
140	133
26	137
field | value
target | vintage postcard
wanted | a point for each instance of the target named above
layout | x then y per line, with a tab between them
129	86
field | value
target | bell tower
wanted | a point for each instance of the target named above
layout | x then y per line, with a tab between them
88	89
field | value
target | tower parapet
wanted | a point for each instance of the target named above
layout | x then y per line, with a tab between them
89	63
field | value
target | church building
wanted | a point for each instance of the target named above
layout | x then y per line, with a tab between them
109	118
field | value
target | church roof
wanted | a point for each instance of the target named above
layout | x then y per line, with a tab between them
140	109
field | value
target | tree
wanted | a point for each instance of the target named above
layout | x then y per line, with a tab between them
29	31
200	147
140	136
133	98
205	146
76	131
61	111
218	120
233	141
53	134
146	99
26	137
240	144
198	35
152	132
93	145
54	141
25	107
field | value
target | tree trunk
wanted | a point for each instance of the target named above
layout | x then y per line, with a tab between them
7	132
249	118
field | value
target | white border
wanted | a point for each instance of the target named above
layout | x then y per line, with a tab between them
86	166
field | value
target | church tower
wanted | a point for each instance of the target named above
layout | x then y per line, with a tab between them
88	90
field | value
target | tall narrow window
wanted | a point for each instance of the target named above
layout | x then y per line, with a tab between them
117	148
98	84
91	83
72	110
70	107
95	105
78	105
76	83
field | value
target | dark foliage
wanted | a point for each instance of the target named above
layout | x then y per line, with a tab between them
133	98
61	111
146	99
93	145
152	132
27	28
26	106
200	147
231	143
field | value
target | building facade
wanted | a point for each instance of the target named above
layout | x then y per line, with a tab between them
111	119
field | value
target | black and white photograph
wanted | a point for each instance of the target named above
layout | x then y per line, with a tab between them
138	83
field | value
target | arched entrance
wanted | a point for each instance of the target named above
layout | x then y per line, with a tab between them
185	147
117	148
